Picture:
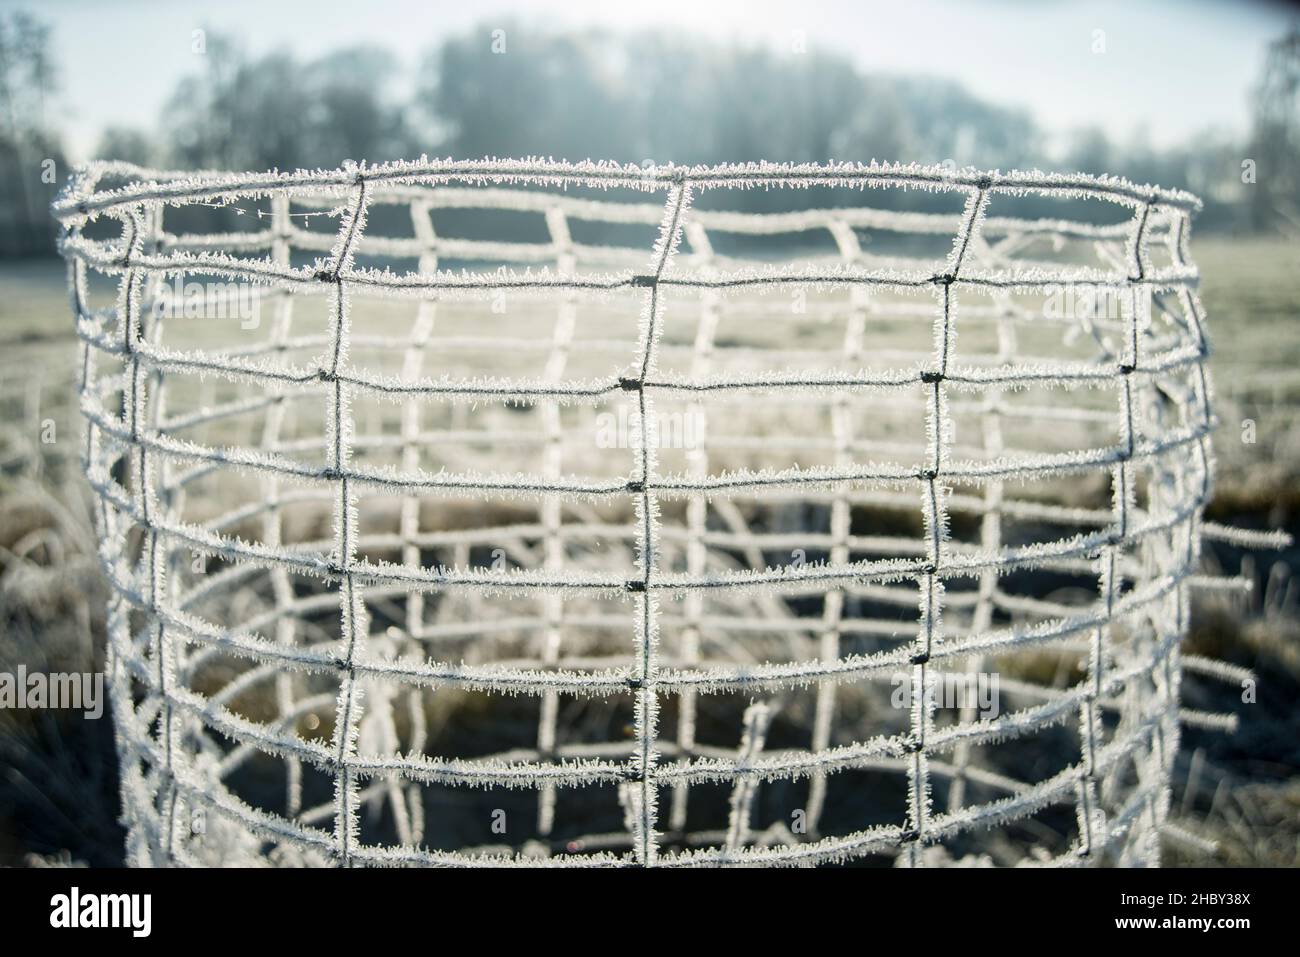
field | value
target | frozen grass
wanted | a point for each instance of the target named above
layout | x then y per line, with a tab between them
1251	288
1241	791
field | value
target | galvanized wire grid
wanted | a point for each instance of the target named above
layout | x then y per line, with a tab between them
222	670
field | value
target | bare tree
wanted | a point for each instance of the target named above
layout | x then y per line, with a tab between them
1275	140
30	157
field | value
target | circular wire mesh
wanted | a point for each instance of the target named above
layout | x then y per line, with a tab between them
546	513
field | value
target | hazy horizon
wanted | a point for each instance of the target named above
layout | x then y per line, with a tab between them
1165	85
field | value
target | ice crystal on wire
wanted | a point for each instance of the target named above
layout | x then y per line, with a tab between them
335	626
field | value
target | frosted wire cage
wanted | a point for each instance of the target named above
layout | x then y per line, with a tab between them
465	513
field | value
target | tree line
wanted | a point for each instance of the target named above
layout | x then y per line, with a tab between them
641	97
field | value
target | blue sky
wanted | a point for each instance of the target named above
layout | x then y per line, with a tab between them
1171	68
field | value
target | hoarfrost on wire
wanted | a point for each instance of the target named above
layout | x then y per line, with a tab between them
182	741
